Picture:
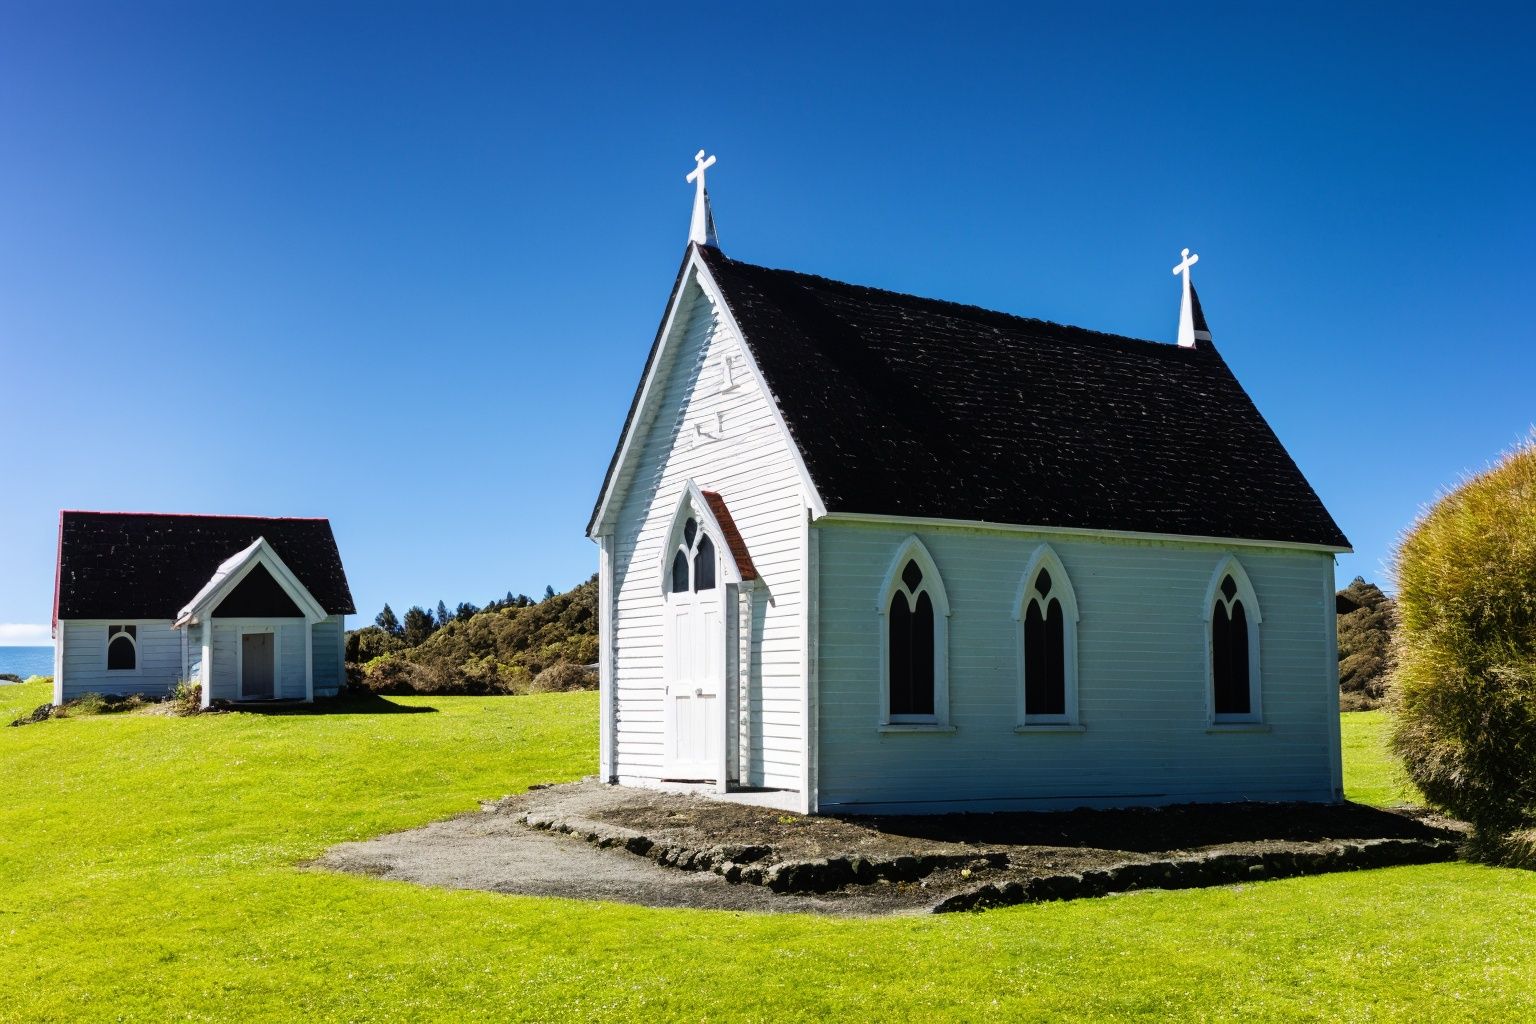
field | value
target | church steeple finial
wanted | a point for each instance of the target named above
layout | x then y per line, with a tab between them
702	228
1191	320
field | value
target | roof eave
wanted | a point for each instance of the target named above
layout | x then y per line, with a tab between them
833	517
693	263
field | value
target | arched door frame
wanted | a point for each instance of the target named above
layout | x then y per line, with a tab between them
691	504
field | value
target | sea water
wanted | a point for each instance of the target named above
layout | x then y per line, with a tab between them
26	661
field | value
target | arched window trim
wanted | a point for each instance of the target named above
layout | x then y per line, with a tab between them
1229	565
113	634
691	505
1061	589
912	549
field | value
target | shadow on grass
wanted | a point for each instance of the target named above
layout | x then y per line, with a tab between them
350	704
1155	829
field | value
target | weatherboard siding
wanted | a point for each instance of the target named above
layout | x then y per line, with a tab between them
749	463
329	638
83	658
289	675
1142	683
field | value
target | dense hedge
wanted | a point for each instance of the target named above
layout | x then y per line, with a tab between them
1465	686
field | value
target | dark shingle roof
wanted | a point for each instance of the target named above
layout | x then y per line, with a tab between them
915	407
136	565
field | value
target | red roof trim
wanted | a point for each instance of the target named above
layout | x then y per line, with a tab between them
58	569
189	515
733	540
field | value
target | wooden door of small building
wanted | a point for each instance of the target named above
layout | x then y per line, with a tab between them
258	666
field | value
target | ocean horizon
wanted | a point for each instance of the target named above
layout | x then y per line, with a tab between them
27	661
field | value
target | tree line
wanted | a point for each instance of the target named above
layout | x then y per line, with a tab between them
510	645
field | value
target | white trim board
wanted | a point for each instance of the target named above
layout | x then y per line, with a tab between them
911	522
233	571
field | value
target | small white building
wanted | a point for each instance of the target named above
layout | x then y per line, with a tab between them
251	608
869	552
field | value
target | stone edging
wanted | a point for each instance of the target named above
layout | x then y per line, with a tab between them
749	864
1206	870
746	863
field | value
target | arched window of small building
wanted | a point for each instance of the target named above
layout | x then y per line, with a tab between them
915	639
122	648
1232	610
1047	614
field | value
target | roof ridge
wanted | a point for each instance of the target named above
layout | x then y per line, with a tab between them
1017	318
194	515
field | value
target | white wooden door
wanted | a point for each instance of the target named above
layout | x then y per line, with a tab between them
695	667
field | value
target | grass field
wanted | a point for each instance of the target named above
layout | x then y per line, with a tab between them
149	871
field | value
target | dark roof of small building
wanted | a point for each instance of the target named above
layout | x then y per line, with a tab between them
139	565
906	406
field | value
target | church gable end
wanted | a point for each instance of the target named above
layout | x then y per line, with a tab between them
258	596
704	421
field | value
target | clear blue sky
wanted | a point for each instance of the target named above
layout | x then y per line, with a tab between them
399	265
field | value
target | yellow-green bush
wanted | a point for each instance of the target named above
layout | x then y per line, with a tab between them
1465	685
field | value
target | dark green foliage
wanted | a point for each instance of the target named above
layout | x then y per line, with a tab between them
363	645
442	615
10	677
1465	687
419	625
549	592
387	622
464	611
502	649
1366	620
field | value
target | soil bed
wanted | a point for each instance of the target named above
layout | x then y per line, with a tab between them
590	841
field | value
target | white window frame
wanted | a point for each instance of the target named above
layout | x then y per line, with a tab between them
1044	557
912	549
1229	565
106	650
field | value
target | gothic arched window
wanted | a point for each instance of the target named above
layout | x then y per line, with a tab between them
693	560
1047	614
915	631
122	648
1233	614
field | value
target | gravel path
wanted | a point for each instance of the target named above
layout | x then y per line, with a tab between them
492	852
570	841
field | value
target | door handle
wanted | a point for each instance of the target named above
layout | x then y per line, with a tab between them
699	692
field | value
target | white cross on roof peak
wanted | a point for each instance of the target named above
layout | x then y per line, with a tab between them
702	228
1186	312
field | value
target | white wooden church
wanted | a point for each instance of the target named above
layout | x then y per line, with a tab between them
868	552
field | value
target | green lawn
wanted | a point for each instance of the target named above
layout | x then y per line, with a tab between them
149	870
1371	774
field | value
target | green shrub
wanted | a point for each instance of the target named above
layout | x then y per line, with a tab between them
563	676
1465	686
370	642
186	697
1366	620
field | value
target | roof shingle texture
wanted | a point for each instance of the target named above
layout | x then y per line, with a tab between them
132	565
907	406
